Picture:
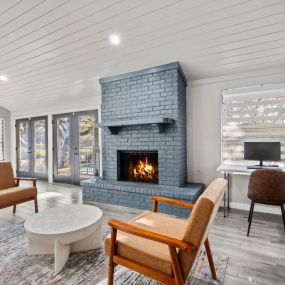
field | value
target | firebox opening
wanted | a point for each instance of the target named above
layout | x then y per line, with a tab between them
138	166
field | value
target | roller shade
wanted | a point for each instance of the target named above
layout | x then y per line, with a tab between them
252	114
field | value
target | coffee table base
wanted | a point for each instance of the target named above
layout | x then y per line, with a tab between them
62	245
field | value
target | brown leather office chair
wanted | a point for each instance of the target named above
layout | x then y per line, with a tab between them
266	186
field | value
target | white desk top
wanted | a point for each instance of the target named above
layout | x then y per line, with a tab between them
242	169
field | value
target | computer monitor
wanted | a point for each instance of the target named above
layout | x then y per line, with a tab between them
262	151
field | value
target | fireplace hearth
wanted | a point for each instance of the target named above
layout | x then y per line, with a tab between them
138	166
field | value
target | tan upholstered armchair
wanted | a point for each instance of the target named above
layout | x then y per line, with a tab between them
163	247
11	193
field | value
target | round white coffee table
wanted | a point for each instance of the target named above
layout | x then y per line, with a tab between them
61	230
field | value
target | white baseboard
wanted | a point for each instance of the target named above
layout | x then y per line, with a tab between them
257	208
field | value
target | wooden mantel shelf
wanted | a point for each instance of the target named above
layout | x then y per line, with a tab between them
115	125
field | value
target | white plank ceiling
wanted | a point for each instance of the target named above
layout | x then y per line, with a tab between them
54	51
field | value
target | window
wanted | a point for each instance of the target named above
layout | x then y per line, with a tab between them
1	139
252	114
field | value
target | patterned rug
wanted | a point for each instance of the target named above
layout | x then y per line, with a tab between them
19	268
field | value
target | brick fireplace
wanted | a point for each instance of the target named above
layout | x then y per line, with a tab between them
143	139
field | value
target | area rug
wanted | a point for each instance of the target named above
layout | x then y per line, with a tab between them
17	267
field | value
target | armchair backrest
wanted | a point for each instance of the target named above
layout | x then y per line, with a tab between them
200	221
6	175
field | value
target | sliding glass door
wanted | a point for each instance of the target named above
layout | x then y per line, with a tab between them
31	136
76	146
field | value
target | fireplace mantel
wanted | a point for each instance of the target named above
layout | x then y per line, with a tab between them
115	125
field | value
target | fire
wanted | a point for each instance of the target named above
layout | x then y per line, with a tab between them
144	170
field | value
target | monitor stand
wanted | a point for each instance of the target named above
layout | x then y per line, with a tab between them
261	165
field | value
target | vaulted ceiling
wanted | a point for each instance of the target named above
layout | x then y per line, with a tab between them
54	51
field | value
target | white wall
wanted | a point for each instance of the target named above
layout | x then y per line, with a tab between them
4	114
204	128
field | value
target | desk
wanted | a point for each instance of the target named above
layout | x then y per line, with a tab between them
228	170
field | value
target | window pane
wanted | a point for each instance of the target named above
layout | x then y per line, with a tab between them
88	145
63	146
40	146
24	146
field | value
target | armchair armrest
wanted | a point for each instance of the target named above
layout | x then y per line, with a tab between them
34	180
176	202
137	231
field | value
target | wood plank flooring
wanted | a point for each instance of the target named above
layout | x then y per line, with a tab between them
258	259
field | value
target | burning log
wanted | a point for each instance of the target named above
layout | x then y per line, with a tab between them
144	170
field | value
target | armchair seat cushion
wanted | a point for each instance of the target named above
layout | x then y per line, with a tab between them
16	194
147	252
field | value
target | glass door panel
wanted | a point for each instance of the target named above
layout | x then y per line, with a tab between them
63	146
86	138
31	136
23	132
40	146
89	154
62	131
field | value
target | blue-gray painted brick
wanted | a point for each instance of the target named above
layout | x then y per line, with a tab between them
129	99
139	197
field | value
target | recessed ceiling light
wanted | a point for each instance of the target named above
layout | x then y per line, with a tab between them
3	78
114	39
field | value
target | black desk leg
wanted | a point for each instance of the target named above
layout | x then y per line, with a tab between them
227	195
225	177
229	187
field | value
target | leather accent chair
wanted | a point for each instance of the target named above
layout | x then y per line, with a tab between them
266	186
162	247
11	193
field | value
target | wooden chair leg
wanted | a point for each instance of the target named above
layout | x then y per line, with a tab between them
112	252
210	259
283	214
14	209
179	279
250	217
36	205
155	206
111	272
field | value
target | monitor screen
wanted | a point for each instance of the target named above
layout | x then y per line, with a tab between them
262	151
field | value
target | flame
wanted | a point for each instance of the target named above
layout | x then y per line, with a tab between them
144	170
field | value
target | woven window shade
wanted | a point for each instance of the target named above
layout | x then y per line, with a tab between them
252	114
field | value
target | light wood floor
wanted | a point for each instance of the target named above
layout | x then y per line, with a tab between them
258	259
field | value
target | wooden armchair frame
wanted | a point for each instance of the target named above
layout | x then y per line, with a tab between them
17	184
18	179
172	243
